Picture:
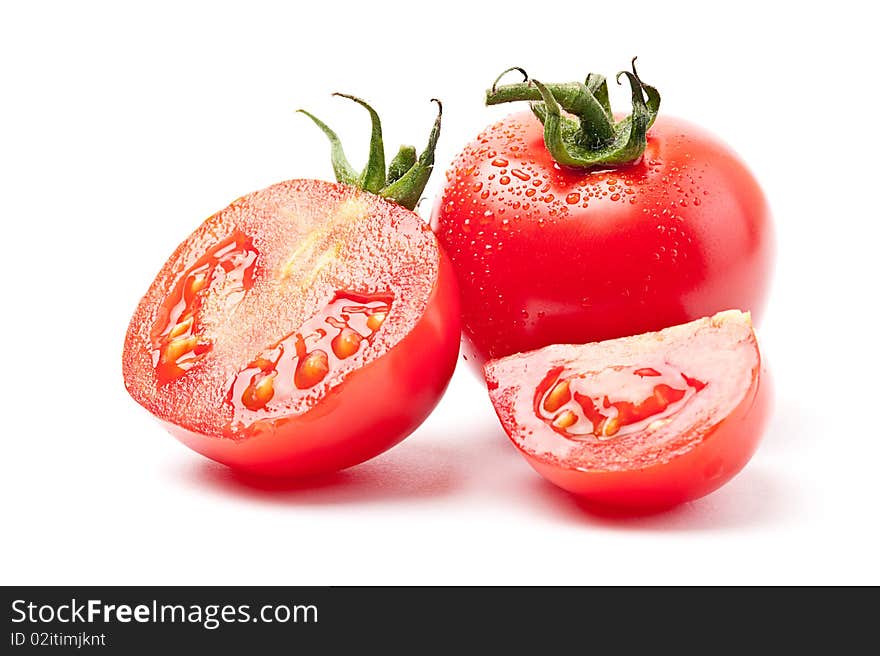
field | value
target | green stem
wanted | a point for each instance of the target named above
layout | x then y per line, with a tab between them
373	176
408	188
574	97
408	172
586	135
341	168
403	161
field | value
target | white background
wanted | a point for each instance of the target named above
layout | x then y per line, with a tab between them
122	128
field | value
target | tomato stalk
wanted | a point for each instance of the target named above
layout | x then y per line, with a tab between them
407	174
586	135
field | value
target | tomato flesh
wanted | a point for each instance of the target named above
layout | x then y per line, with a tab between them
302	359
644	421
177	337
280	336
578	405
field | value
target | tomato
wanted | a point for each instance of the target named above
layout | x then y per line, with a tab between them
547	253
647	421
305	328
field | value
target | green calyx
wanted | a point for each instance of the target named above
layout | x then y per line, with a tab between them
585	135
407	174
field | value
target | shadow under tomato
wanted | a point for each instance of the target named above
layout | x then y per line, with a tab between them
407	472
754	498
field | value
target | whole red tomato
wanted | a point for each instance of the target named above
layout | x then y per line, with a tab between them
642	236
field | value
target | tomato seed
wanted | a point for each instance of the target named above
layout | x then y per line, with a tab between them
179	347
346	343
558	397
311	369
181	328
375	320
565	419
609	427
259	392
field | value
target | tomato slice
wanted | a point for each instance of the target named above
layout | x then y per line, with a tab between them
304	328
646	421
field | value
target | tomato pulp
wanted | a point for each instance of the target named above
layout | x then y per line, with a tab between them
648	421
546	254
305	328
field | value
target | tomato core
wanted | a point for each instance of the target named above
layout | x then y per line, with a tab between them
611	403
305	357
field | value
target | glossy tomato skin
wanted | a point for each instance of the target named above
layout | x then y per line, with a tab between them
713	462
375	407
549	255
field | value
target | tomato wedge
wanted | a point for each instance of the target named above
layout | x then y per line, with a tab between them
305	328
646	421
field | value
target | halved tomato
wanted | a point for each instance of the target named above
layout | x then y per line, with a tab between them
646	421
305	328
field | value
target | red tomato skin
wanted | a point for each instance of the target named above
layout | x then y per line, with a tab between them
375	408
683	233
705	468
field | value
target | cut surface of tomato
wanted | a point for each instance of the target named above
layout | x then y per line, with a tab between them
648	421
304	328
